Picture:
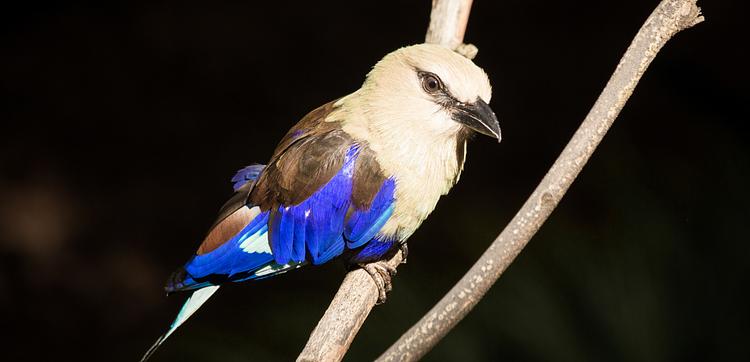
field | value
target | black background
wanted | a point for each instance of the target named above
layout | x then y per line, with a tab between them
123	121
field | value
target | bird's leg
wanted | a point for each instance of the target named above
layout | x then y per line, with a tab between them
381	273
404	251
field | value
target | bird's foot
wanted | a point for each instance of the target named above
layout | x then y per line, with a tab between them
381	273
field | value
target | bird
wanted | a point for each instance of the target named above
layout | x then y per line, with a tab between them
352	180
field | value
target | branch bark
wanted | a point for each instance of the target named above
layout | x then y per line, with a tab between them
348	310
669	18
358	293
448	20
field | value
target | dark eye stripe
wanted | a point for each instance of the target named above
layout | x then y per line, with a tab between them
442	96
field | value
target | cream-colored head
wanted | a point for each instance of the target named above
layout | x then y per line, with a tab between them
415	111
462	78
429	88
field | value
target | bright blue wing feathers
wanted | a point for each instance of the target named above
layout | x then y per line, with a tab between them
232	257
363	225
319	219
315	230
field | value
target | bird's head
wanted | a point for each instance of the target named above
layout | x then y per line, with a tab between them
431	90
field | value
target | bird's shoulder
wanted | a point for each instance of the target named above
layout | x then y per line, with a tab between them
310	155
246	180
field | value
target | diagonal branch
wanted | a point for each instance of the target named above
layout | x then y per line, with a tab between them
357	295
669	18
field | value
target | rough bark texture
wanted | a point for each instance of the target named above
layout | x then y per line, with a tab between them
448	20
670	17
348	310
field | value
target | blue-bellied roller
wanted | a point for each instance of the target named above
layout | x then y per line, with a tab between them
352	180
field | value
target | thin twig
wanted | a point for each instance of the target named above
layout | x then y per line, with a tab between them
670	17
448	20
357	295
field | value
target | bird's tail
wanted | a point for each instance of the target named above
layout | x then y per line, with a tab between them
191	305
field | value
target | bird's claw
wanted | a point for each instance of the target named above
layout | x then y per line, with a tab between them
381	273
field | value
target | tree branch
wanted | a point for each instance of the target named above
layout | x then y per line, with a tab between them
348	310
669	17
448	20
358	293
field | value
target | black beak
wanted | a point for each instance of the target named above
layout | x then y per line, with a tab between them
479	117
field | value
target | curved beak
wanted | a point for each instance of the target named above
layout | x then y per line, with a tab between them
479	117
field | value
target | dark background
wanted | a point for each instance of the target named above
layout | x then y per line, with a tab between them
122	123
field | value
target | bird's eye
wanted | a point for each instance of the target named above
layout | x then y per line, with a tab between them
431	83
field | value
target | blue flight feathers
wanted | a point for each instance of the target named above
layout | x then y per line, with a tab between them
363	225
318	227
316	230
230	258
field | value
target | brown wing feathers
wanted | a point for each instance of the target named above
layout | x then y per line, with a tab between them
308	156
368	178
301	170
227	228
283	179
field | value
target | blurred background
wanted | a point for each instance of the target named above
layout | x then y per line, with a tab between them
122	122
